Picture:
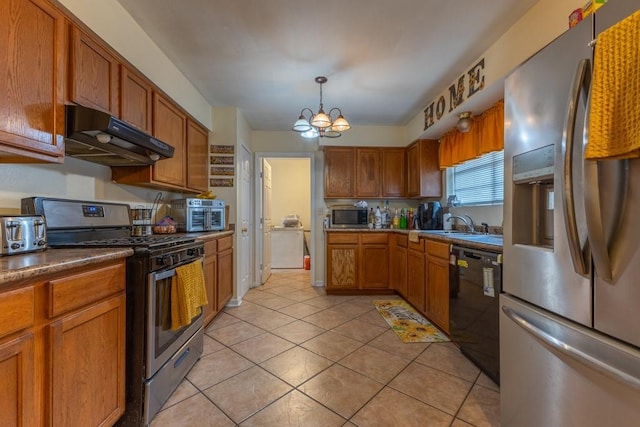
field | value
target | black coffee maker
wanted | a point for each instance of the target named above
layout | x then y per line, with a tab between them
429	216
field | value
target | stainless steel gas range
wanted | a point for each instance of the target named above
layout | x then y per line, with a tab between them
158	358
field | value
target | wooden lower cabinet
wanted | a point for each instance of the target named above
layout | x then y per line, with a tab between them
218	275
342	261
225	271
399	259
87	365
210	267
374	265
416	276
437	306
358	262
17	382
62	357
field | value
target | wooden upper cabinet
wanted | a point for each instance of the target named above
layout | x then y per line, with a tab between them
32	81
394	172
135	99
197	156
170	126
94	74
424	177
339	172
367	172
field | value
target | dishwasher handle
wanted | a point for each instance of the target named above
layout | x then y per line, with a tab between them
474	253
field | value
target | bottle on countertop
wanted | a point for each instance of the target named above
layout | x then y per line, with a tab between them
410	219
386	216
371	219
396	219
378	218
403	220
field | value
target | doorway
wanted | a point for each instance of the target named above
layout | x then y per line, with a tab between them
284	188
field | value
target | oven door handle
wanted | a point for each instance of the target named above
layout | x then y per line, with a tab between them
155	276
163	275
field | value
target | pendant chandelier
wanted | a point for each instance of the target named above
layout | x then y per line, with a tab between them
321	124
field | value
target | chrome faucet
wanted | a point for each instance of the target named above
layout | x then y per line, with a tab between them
468	222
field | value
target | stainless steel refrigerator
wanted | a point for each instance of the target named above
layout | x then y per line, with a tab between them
570	312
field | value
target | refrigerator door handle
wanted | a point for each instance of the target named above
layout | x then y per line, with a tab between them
564	346
595	221
580	82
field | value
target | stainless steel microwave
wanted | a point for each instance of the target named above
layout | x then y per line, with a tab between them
193	214
349	217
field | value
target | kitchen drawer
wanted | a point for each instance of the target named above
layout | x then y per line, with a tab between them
225	243
374	238
342	238
419	246
71	292
16	310
438	249
210	247
401	240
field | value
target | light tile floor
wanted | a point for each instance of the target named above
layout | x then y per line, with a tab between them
291	355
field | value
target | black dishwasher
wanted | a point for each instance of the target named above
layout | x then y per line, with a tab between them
474	289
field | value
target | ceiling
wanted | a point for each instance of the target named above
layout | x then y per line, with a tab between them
385	60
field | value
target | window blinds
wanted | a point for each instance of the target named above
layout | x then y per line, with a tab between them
480	181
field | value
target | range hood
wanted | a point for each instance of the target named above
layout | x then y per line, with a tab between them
98	137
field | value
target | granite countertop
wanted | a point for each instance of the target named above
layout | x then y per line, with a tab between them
31	265
210	235
490	242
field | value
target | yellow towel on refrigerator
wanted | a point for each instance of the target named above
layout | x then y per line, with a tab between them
188	294
614	121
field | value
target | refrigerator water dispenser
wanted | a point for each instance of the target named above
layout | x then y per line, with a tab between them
533	197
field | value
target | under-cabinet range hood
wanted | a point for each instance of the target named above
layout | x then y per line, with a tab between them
98	137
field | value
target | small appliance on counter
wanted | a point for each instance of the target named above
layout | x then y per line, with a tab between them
292	220
349	217
192	214
429	216
22	233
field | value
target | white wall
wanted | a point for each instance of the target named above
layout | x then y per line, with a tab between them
291	189
75	179
389	136
539	26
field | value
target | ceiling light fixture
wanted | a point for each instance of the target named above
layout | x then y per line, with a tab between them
464	122
321	124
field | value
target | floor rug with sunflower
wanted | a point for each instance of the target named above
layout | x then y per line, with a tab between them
407	323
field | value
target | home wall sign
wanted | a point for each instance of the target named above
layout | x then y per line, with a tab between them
464	88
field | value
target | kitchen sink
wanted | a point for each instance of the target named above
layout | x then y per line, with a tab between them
447	232
490	239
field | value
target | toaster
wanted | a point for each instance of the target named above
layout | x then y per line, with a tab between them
22	233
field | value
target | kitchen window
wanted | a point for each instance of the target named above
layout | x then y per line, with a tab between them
479	181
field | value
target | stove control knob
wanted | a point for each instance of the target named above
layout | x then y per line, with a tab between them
165	260
15	246
194	251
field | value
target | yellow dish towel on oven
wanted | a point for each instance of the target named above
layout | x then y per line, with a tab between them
414	236
188	294
614	122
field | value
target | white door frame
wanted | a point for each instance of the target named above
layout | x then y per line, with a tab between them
258	184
